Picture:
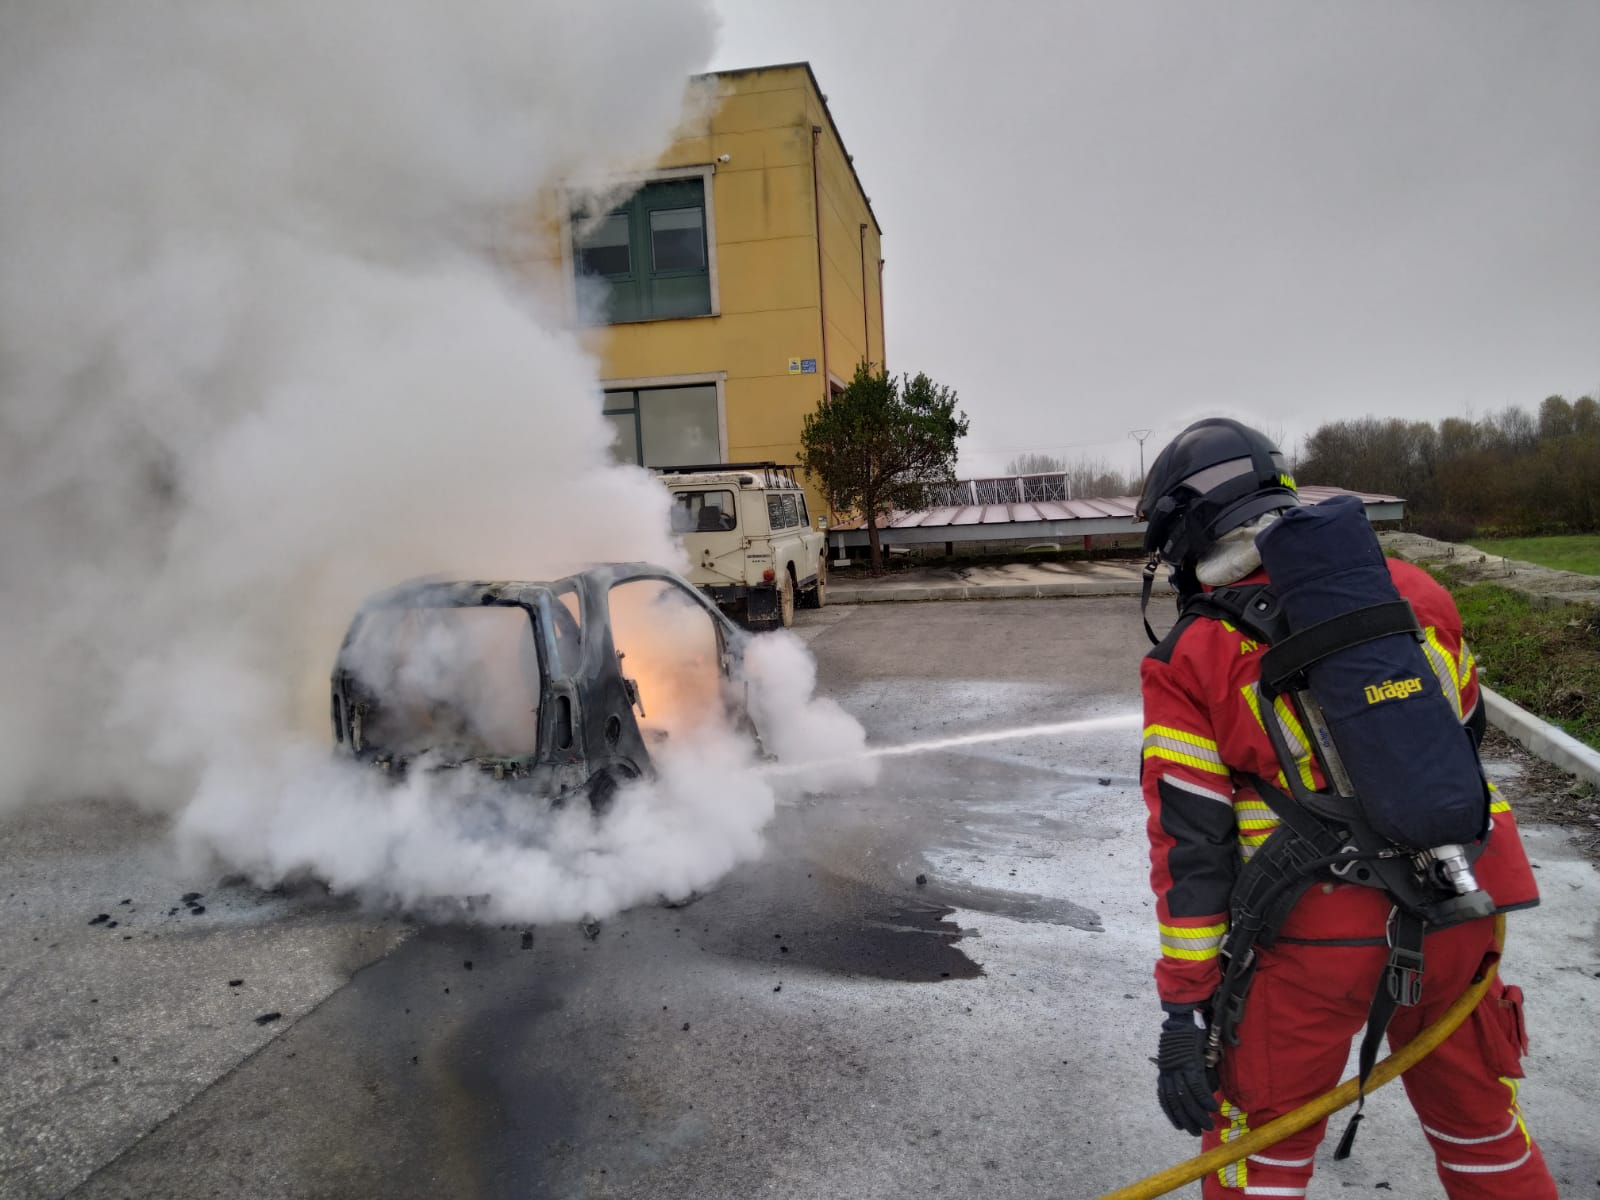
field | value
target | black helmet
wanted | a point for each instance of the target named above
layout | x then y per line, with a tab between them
1213	477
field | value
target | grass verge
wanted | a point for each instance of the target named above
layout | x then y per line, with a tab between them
1545	659
1578	552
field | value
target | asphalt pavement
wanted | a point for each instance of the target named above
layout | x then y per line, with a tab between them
822	1024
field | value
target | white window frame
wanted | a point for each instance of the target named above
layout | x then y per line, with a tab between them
569	265
720	378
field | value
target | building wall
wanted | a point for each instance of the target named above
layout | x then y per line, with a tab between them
764	223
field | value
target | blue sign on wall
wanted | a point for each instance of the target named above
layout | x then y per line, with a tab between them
808	366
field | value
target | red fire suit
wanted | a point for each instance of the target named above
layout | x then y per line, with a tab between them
1203	733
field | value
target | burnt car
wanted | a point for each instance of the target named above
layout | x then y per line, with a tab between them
560	688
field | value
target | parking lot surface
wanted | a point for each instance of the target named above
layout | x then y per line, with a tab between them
936	986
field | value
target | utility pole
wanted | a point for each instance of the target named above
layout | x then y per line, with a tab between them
1139	436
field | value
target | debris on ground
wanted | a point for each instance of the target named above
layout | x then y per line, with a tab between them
467	965
590	927
101	919
235	983
922	881
527	940
1541	792
268	1018
190	897
196	909
1104	781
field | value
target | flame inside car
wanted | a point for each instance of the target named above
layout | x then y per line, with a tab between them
560	686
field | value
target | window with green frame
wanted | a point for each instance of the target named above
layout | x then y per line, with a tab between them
649	259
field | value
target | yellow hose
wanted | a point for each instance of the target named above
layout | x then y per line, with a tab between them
1332	1101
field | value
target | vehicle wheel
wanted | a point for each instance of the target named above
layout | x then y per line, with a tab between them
819	596
786	599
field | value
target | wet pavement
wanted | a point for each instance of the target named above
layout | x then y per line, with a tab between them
937	986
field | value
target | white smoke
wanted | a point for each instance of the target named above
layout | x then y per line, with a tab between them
259	357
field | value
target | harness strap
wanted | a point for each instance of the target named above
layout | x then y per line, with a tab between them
1400	985
1290	657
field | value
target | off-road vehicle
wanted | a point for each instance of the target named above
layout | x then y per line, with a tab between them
752	546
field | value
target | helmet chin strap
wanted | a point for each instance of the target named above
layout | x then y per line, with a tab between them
1183	580
1150	569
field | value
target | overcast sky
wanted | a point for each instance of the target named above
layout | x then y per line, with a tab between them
1114	216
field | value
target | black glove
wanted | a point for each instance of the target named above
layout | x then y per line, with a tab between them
1186	1084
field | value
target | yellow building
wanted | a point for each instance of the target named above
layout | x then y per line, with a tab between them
741	279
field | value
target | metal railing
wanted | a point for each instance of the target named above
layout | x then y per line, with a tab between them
1000	489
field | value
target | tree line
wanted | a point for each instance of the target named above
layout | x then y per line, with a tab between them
1511	472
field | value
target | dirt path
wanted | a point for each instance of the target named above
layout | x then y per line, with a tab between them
1542	584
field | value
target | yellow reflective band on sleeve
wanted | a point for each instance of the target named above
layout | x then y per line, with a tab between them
1180	735
1187	760
1180	746
1192	945
1192	930
1191	955
1499	805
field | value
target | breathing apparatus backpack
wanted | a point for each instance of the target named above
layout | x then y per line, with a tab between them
1406	806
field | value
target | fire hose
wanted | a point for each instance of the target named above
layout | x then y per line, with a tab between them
1332	1101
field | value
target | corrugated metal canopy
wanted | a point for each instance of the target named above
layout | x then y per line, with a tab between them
1022	519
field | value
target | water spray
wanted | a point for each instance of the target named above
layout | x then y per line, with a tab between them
1120	721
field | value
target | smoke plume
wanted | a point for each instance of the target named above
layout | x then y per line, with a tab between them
259	357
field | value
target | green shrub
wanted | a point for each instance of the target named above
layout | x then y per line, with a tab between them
1545	659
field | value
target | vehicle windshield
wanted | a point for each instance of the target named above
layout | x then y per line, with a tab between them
460	682
703	512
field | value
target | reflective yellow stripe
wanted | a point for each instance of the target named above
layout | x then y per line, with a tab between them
1235	1174
1444	667
1214	766
1179	735
1294	735
1181	746
1192	930
1192	943
1498	805
1190	955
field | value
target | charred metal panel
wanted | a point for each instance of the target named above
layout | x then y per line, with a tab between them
588	735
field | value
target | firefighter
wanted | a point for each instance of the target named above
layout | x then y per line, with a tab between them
1208	494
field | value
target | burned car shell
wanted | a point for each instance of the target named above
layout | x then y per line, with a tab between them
588	738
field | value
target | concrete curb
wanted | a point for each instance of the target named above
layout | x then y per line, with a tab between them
1540	738
990	591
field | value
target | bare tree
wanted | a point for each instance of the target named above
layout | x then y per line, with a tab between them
1036	464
